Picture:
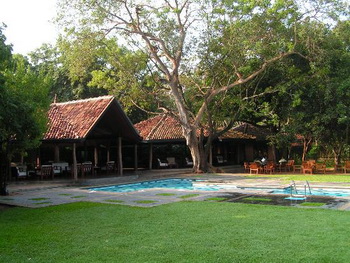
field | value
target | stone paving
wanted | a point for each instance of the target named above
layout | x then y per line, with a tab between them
36	194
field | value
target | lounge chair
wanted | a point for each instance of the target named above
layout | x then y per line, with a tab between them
220	159
171	162
162	164
188	161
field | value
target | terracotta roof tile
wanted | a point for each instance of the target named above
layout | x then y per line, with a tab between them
255	132
164	127
74	119
161	127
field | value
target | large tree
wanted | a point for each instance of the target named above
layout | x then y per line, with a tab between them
200	51
23	107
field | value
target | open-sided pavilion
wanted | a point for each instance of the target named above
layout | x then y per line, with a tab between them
92	130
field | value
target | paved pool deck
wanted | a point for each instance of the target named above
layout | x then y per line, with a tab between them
36	194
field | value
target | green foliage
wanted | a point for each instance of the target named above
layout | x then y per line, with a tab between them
23	107
219	69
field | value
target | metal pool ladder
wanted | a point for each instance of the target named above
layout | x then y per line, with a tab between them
294	191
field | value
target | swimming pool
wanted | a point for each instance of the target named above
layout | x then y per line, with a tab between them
203	185
179	184
317	191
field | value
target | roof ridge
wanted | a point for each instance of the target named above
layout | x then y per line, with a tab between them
99	116
84	100
152	132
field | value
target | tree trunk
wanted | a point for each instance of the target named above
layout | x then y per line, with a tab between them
4	170
337	151
199	153
306	145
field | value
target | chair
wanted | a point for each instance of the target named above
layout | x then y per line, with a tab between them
22	171
46	171
320	168
220	159
162	164
290	165
59	168
171	162
19	171
346	166
270	167
110	167
307	167
188	161
86	168
254	167
246	167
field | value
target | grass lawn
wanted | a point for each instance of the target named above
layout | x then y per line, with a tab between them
340	178
178	232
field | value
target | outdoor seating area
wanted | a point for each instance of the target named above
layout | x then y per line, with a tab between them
169	162
60	169
307	167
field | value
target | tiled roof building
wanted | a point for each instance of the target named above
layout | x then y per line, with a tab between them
90	118
163	127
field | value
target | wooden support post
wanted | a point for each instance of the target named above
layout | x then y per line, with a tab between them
135	158
108	157
150	156
120	157
75	166
95	156
57	154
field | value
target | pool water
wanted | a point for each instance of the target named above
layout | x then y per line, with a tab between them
180	184
316	191
202	185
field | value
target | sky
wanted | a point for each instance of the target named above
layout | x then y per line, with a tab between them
28	23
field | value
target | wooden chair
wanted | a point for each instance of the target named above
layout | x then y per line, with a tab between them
346	167
320	168
290	165
110	167
307	167
46	171
246	167
254	167
86	168
270	167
